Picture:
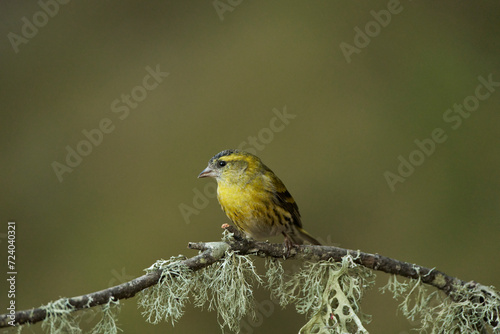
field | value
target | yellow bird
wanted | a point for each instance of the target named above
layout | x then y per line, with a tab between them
255	199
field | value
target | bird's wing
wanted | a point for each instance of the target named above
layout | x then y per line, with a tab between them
284	199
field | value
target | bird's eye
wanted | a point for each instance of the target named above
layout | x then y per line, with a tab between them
221	163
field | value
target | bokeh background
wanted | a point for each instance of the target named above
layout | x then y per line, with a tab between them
118	211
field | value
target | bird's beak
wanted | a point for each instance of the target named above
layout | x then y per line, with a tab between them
207	172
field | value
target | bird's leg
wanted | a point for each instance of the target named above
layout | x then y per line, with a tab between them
288	244
237	235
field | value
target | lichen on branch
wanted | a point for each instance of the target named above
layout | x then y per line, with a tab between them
328	292
327	288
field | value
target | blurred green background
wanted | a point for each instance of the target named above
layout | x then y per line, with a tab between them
118	211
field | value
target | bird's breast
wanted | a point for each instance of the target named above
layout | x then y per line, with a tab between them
235	198
249	210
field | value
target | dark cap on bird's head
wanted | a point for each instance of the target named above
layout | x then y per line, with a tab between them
217	163
223	154
214	164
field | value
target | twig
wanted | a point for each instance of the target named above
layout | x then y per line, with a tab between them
213	251
378	262
122	291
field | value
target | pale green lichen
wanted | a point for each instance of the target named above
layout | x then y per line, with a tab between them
328	291
439	281
166	300
468	309
62	318
59	319
275	275
107	323
227	286
227	236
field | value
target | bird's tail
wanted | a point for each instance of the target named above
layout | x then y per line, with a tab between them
303	235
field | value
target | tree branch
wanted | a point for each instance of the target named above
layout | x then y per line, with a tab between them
122	291
213	251
377	262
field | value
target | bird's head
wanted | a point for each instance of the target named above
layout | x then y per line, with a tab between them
233	166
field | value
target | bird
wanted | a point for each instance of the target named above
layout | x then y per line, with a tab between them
255	199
